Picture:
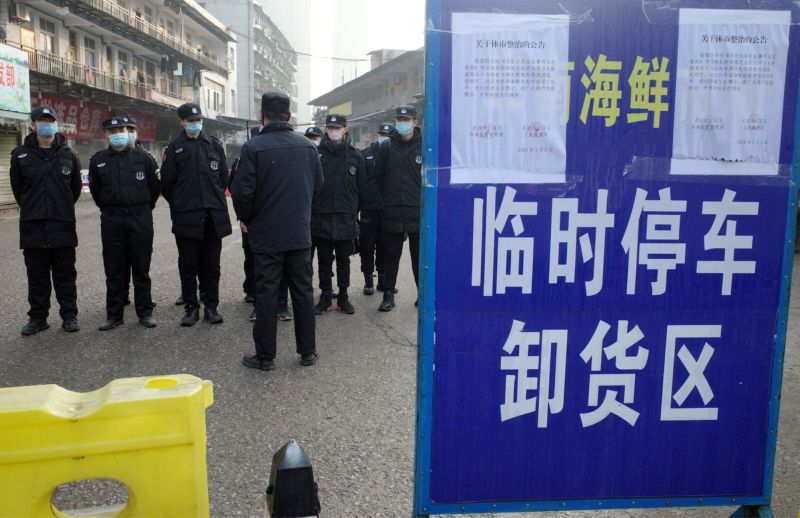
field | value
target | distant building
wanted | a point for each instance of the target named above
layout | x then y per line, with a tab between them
396	77
91	59
266	59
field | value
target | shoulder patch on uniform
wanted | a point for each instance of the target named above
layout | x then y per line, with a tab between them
101	165
353	169
370	157
179	150
23	155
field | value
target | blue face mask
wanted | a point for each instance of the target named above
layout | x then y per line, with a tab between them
47	129
382	139
404	127
132	136
118	140
194	127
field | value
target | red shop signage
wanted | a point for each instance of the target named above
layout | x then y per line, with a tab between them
78	120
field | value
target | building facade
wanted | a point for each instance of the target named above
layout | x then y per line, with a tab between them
266	59
396	77
91	59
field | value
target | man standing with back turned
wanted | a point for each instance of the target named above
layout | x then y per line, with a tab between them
279	172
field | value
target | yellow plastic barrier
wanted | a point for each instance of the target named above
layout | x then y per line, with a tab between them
148	433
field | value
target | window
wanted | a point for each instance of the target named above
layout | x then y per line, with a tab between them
47	36
73	46
89	52
150	73
189	39
148	14
233	100
170	28
122	59
171	87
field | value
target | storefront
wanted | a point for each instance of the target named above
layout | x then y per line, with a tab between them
14	112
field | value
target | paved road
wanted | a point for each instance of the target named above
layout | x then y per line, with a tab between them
353	412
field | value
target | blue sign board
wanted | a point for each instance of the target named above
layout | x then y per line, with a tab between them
609	210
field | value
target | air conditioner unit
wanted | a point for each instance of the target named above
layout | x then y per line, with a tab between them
19	13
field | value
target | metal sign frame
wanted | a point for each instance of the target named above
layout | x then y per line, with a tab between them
423	503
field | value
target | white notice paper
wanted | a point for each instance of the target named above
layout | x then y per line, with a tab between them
729	91
509	89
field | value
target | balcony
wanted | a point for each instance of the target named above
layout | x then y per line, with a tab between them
111	16
77	73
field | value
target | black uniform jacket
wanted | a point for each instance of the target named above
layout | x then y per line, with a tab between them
124	179
399	174
371	194
335	209
194	176
279	172
46	185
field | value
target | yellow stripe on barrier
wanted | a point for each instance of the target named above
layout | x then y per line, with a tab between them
148	433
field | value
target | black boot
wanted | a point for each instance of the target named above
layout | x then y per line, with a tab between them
324	304
212	316
35	325
110	324
369	288
381	280
388	302
191	316
343	303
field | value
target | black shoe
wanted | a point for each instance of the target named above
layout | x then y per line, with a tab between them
191	317
324	303
212	316
284	315
180	302
253	315
343	303
33	326
127	301
249	299
369	288
254	363
148	321
110	324
152	304
416	303
70	325
309	359
388	302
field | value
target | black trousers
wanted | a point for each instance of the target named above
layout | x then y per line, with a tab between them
41	263
127	236
371	243
200	258
249	284
295	267
393	248
325	254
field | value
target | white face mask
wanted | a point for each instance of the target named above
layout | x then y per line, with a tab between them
382	139
335	134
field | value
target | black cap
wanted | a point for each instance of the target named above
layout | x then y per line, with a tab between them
405	111
385	129
129	121
43	111
116	122
313	131
336	121
275	102
190	112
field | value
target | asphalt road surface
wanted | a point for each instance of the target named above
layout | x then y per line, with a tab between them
353	412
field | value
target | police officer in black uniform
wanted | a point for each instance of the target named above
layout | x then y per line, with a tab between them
398	170
314	134
278	175
334	220
46	182
124	185
370	246
194	176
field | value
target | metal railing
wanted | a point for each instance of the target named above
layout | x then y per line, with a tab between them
157	32
68	70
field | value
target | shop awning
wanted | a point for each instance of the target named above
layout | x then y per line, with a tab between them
5	114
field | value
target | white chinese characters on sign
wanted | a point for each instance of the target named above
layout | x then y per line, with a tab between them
599	221
514	266
662	251
617	351
551	363
730	241
696	379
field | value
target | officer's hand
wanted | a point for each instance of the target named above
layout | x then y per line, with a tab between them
243	227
